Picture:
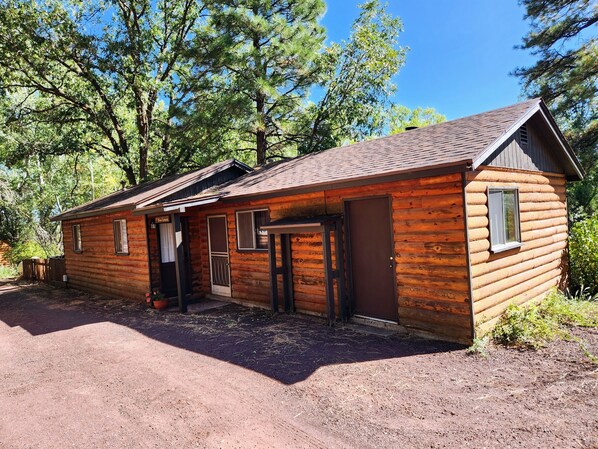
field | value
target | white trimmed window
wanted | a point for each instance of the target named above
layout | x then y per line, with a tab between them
250	236
503	214
121	243
77	238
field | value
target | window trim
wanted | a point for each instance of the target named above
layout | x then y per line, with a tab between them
75	249
253	231
500	247
121	253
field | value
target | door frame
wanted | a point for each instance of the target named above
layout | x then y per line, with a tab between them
159	238
219	289
349	254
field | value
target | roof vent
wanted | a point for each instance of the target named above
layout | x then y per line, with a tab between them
523	136
409	128
123	185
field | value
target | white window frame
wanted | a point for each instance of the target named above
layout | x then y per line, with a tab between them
496	247
253	233
122	247
77	240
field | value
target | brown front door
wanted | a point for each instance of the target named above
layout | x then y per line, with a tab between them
372	258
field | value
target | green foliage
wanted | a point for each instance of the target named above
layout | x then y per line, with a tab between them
479	346
401	117
269	52
357	80
565	75
583	254
535	325
109	77
28	249
9	271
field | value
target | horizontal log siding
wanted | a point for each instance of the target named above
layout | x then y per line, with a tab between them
97	268
429	241
522	274
4	248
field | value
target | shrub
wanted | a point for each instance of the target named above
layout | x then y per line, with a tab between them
535	325
583	255
25	250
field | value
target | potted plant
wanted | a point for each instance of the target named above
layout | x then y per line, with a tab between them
156	299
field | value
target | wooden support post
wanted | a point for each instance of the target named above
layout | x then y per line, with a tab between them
287	272
179	264
328	275
340	269
273	271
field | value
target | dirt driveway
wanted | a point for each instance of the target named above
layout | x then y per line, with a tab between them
81	371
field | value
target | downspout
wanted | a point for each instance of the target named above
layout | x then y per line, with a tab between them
467	254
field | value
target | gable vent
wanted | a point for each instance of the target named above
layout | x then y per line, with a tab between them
523	136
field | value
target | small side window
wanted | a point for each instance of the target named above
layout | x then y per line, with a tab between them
77	238
121	243
250	236
503	212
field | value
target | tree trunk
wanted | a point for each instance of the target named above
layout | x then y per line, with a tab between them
260	133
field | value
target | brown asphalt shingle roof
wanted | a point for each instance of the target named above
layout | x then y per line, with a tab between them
446	143
146	192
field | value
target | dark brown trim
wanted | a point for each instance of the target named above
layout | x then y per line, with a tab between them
467	256
149	255
457	167
328	275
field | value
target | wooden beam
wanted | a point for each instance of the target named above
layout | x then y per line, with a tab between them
287	273
273	271
179	262
340	270
329	280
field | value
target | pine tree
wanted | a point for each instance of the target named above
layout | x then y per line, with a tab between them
271	59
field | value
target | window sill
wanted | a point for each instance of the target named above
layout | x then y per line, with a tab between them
80	251
252	250
121	254
501	248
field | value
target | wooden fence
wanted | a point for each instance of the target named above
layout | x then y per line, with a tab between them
44	270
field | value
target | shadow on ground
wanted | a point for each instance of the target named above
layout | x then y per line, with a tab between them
287	348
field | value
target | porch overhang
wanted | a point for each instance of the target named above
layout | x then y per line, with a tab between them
301	225
325	225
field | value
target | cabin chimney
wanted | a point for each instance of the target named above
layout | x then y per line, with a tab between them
123	185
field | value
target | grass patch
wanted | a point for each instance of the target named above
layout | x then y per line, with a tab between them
8	271
536	325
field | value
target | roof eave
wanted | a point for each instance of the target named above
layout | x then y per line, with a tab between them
92	213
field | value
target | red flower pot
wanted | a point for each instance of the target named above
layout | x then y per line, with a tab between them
161	304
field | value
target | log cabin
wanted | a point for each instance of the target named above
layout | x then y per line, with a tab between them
436	230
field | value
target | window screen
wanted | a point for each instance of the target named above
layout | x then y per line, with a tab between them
503	211
121	244
77	238
249	232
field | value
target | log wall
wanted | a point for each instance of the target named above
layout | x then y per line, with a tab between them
4	248
429	241
97	268
526	273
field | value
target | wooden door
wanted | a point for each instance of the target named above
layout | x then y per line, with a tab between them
372	258
219	262
167	262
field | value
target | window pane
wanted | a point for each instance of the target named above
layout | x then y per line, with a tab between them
261	236
123	235
495	212
245	230
77	237
510	218
116	227
167	242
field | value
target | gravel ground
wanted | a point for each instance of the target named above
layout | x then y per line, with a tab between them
86	371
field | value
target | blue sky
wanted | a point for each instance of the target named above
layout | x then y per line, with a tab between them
462	51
